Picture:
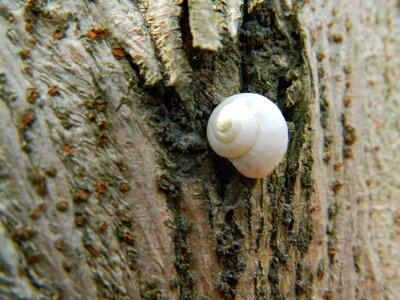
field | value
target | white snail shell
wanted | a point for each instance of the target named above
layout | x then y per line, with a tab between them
250	131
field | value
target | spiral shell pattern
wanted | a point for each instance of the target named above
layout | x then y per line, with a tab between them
250	131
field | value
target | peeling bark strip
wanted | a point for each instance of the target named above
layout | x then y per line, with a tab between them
107	186
204	24
164	20
127	25
211	22
233	17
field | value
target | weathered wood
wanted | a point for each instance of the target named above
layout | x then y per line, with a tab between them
109	190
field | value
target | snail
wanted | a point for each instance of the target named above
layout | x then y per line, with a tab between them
249	130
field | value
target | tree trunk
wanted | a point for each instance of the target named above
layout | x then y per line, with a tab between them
109	190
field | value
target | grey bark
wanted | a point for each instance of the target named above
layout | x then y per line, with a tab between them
109	190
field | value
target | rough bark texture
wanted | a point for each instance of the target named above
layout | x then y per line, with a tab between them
109	190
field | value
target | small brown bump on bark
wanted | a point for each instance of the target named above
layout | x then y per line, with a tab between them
97	33
336	186
81	195
38	179
25	53
27	120
34	258
37	211
62	206
59	244
102	226
80	220
103	139
32	95
118	53
123	187
92	250
58	34
100	186
68	149
347	101
51	172
53	91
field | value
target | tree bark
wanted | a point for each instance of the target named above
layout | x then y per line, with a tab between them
109	190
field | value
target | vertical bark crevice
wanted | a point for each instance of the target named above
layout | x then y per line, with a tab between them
271	33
